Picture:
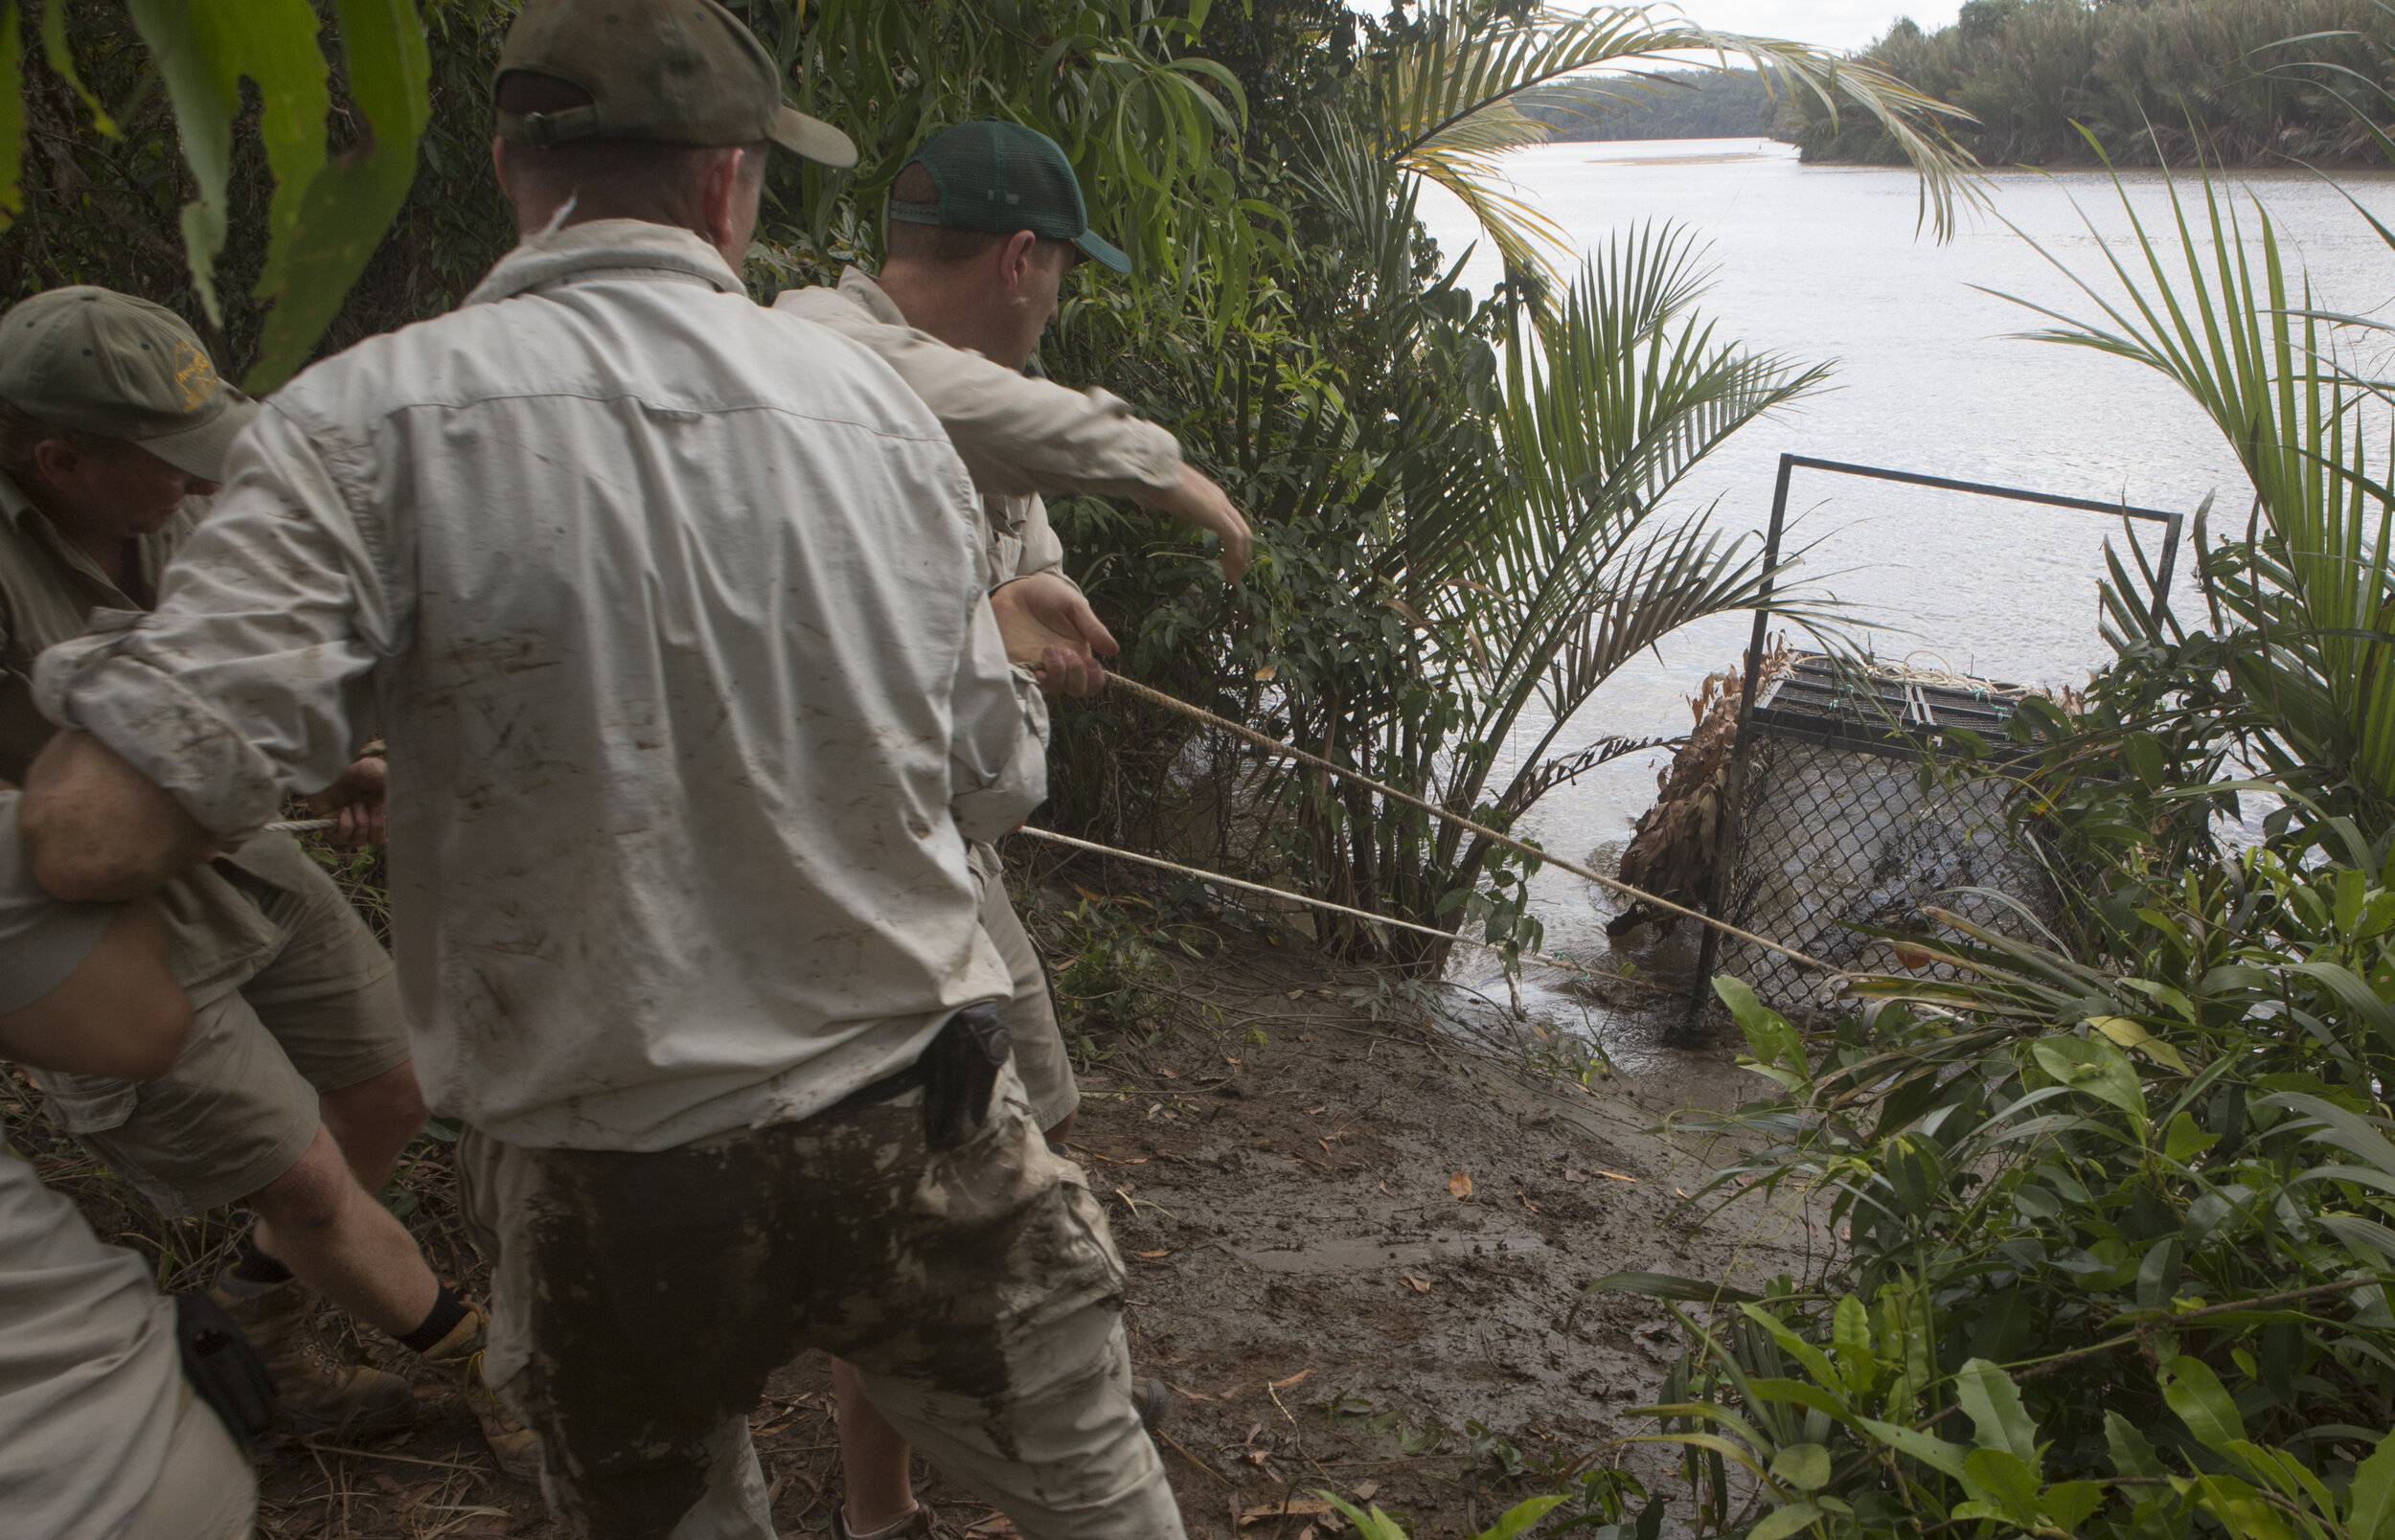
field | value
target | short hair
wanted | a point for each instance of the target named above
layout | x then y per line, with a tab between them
605	176
21	433
945	245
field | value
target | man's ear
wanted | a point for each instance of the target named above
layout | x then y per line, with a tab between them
1015	255
56	459
721	203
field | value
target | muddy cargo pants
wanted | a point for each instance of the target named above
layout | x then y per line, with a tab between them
641	1300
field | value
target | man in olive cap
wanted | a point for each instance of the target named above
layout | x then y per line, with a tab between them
294	1093
673	610
985	219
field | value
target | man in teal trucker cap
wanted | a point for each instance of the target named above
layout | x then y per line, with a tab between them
985	218
989	174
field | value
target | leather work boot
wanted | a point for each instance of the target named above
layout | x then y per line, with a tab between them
459	1355
315	1390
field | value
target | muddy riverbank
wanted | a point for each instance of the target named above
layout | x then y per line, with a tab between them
1353	1242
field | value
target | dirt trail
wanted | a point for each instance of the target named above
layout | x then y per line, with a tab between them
1354	1245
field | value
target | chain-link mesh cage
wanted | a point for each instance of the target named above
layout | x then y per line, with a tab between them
1850	816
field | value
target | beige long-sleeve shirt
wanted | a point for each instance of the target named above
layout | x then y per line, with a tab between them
674	611
1020	437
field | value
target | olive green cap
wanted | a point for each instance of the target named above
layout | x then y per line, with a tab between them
1002	176
108	364
669	71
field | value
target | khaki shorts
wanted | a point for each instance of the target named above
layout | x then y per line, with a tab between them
1047	1069
640	1301
238	1109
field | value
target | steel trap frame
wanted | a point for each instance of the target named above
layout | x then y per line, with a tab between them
1845	811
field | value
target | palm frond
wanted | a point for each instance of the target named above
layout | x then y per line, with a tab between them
1443	100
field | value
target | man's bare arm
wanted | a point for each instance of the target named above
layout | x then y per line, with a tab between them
1200	501
99	830
119	1013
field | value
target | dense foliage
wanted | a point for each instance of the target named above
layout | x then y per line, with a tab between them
2115	1209
1665	105
2155	81
1462	500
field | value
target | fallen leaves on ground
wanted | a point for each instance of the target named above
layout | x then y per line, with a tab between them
1459	1186
1294	1507
1420	1286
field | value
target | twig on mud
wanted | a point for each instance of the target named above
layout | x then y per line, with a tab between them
376	1454
1183	1451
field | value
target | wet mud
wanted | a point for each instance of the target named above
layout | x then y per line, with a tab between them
1353	1244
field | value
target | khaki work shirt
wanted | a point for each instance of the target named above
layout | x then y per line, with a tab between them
1018	435
49	587
674	611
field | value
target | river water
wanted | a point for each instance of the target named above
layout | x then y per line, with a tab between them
1824	263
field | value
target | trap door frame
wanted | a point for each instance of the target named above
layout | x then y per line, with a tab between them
1734	791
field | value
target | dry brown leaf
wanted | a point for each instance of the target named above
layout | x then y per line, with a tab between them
1418	1285
1297	994
1171	1075
1575	1177
1265	674
1365	1489
1296	1507
1285	1384
1151	1255
1459	1186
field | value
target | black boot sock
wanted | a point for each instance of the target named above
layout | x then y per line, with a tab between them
254	1266
447	1312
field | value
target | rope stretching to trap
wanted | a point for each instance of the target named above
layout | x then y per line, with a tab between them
1273	745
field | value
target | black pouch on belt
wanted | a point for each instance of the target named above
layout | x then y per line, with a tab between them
224	1369
959	1069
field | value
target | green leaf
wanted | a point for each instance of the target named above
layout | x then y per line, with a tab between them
1520	1517
2070	1503
1928	1448
2001	1477
1805	1466
61	61
11	115
2242	1510
1768	1036
350	202
2370	1503
2143	752
1851	1335
2129	1450
205	48
1781	1523
2196	1394
1992	1401
2183	1141
2092	1065
1370	1525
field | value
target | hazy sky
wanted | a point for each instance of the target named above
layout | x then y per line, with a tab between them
1833	23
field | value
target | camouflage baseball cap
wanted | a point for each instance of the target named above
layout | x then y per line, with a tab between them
105	363
672	72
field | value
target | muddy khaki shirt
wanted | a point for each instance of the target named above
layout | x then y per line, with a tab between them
1019	436
49	587
673	610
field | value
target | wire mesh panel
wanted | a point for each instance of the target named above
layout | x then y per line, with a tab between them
1849	819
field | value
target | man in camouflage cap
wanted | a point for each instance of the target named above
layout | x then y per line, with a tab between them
294	1093
674	610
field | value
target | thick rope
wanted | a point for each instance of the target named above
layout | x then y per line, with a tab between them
1219	880
1273	745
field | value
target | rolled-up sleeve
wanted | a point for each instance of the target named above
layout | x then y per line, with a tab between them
998	755
251	678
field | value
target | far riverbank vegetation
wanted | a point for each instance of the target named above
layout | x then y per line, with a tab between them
2234	83
2103	1221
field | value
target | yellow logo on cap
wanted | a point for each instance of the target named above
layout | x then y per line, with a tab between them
194	375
